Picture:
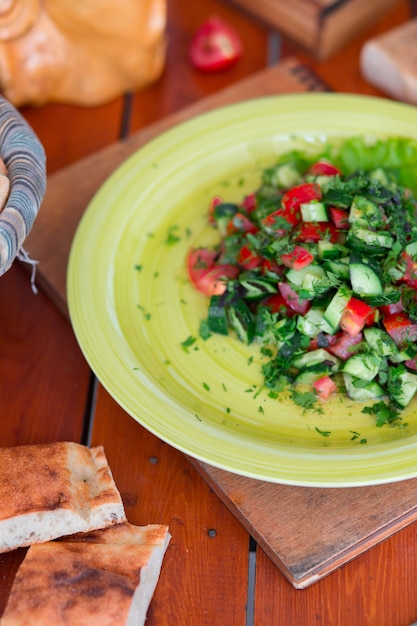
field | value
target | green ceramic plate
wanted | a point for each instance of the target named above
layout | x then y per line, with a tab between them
132	307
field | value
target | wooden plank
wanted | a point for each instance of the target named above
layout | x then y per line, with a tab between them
197	585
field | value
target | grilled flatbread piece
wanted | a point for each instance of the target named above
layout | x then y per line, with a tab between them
54	489
107	577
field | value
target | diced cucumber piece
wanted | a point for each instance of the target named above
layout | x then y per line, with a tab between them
338	267
381	176
381	239
364	211
365	366
242	320
361	390
402	385
380	341
314	357
409	352
256	287
308	377
328	250
333	312
365	276
217	316
284	175
312	279
314	211
313	323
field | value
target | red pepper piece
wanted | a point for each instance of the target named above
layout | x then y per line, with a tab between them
249	202
215	47
355	316
297	259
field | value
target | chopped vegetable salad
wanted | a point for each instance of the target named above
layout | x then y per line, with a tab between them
319	267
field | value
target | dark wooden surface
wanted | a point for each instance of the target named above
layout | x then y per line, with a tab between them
46	394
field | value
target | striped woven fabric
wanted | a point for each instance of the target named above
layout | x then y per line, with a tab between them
25	160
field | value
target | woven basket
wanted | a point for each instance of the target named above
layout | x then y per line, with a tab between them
24	157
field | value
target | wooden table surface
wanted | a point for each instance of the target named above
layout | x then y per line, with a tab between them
47	392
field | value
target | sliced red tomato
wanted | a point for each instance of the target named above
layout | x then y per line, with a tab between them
215	47
240	223
295	197
400	327
343	346
325	387
311	232
323	168
293	300
355	316
298	258
339	217
205	275
248	258
277	304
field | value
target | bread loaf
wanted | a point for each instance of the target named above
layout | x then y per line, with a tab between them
107	577
54	489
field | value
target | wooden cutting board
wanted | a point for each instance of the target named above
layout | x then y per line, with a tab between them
307	532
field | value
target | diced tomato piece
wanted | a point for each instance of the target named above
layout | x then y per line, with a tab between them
355	316
312	232
343	346
296	196
410	276
205	275
215	201
293	299
325	387
214	281
339	217
249	202
297	259
248	258
271	266
400	327
323	168
240	223
282	220
277	304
